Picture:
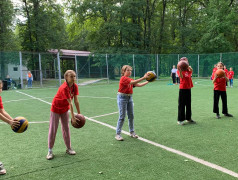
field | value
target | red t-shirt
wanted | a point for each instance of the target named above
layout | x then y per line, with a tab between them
220	84
226	72
125	86
186	81
230	74
1	104
60	104
213	72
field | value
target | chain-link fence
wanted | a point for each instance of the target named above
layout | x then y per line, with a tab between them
48	68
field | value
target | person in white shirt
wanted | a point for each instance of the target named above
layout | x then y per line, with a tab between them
173	74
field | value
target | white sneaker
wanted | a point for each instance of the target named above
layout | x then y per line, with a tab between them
133	134
2	170
50	155
180	123
118	137
70	152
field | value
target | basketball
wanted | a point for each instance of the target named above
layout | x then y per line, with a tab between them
183	65
152	76
23	125
220	73
80	123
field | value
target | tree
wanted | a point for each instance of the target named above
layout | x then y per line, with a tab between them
219	27
6	35
43	29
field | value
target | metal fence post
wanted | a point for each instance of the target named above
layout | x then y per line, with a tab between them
198	65
220	57
134	67
89	72
157	67
20	56
76	67
40	69
107	70
59	70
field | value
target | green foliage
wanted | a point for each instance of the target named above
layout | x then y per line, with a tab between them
44	27
6	35
122	26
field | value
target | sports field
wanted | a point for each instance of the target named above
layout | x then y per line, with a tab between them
165	150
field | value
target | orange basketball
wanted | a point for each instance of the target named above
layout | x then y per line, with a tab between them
80	122
183	65
220	73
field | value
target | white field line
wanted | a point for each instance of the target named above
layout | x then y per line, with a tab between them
17	100
25	99
104	115
33	97
201	161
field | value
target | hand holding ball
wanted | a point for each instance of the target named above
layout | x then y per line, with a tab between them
23	125
80	121
183	65
220	73
151	76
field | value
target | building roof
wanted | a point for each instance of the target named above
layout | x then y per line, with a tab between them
70	53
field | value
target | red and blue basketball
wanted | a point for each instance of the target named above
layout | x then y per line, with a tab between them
23	125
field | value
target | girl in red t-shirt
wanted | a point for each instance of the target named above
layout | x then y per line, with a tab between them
231	76
125	101
220	90
4	116
62	102
213	71
226	71
184	100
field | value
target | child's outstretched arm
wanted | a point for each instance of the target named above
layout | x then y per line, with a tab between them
8	119
140	79
141	84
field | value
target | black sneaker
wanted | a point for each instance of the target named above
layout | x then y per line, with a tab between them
228	115
218	116
191	121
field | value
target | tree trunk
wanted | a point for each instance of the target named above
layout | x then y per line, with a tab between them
162	27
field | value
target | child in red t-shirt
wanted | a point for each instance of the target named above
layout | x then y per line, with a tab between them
231	76
4	116
213	71
125	101
184	100
220	90
226	71
62	102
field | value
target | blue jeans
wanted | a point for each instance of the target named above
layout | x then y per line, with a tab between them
125	104
231	82
29	82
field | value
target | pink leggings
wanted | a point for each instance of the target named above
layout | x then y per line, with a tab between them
54	122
